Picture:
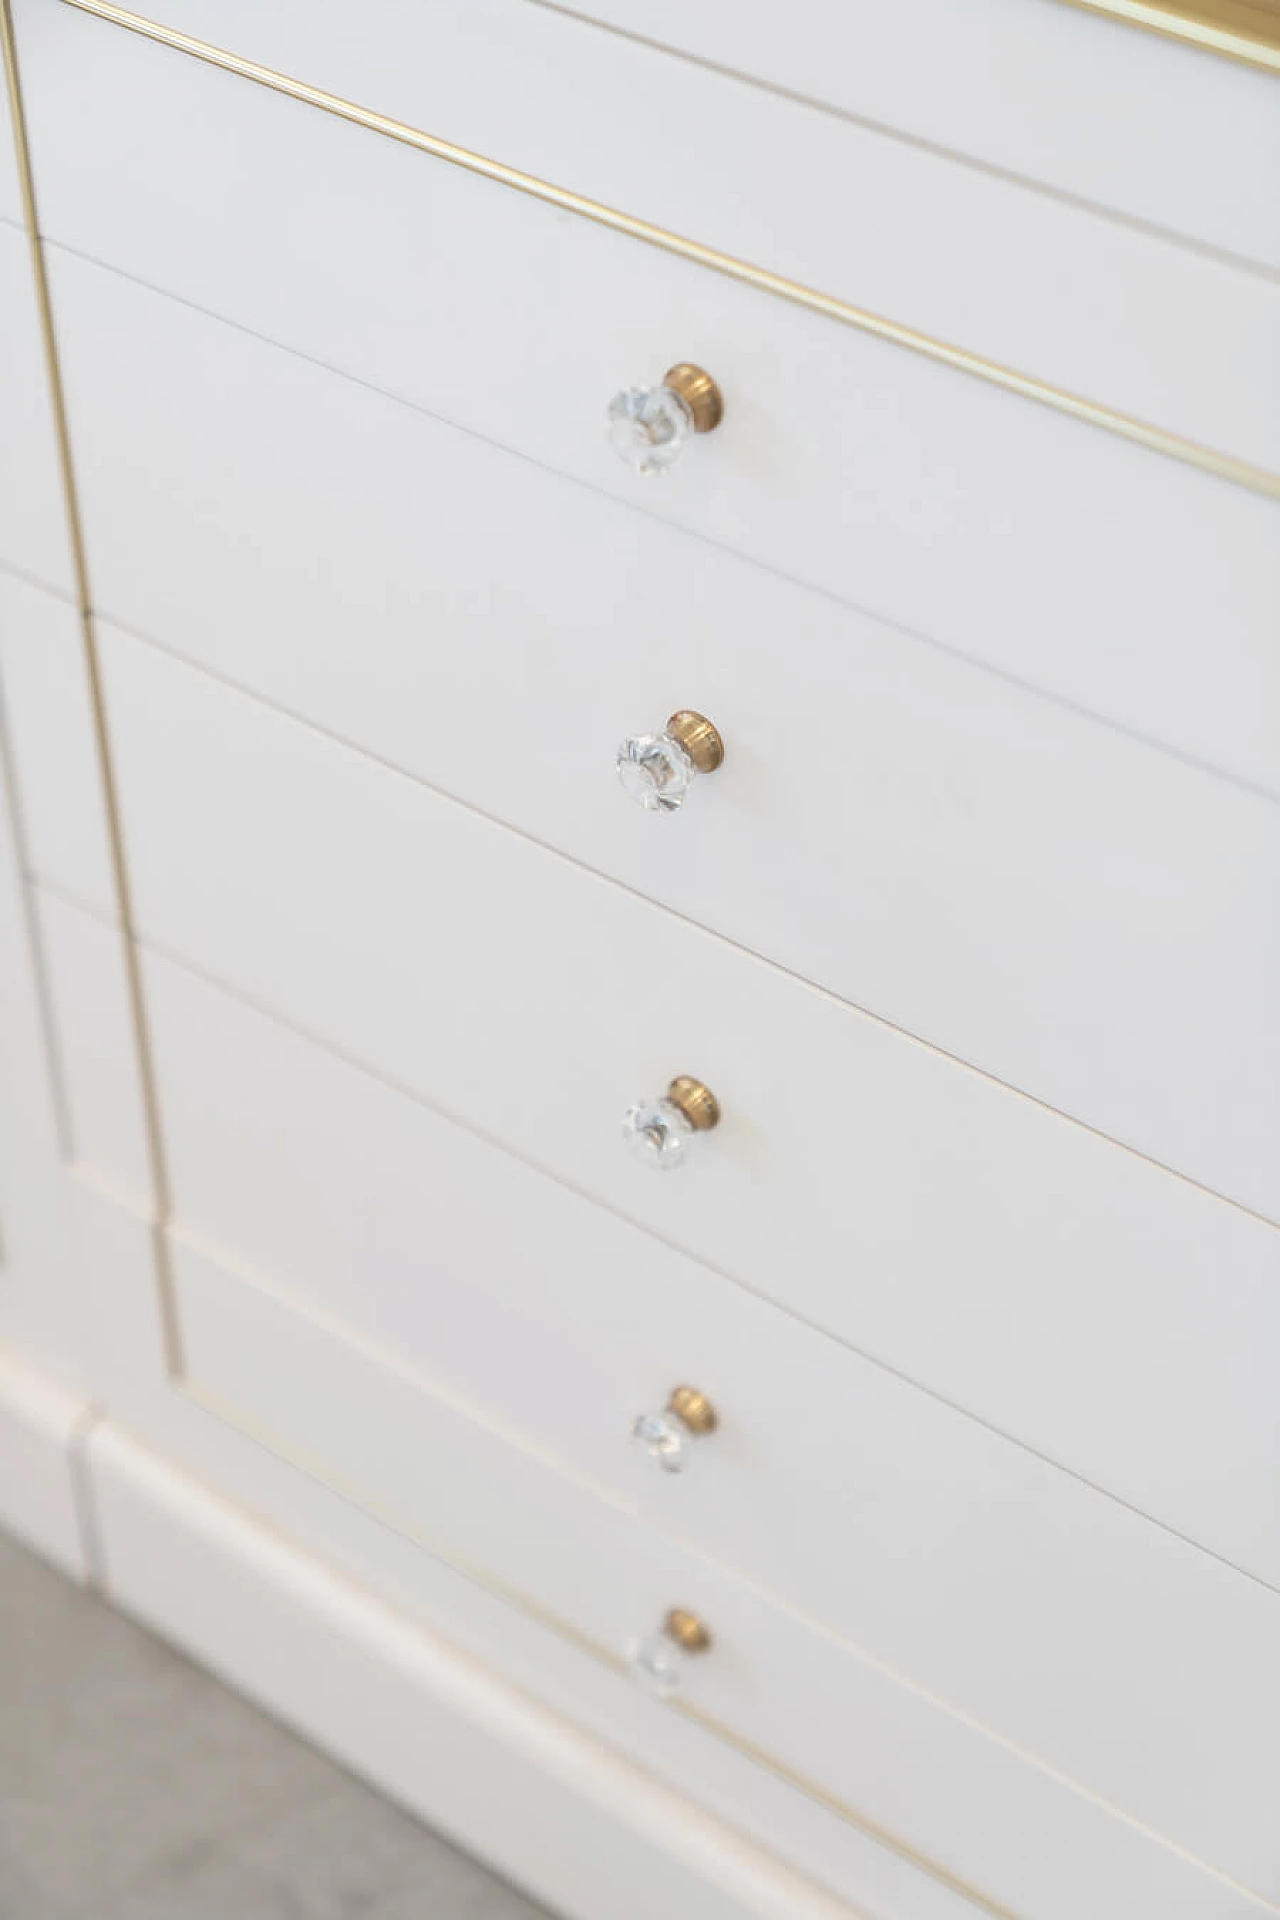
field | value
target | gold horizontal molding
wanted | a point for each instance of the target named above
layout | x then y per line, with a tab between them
1247	30
1159	440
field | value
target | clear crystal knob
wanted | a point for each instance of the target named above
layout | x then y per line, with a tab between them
659	1131
657	769
658	1661
663	1438
667	1436
649	425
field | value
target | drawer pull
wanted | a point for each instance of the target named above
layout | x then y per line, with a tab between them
665	1436
659	1131
657	769
658	1661
649	425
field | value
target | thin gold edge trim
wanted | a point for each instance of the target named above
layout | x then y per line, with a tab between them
1160	440
1248	49
211	1401
135	993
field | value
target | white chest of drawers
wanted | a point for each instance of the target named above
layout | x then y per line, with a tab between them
960	1323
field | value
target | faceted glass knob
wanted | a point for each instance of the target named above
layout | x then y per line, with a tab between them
649	425
657	1665
667	1436
664	1439
659	1131
658	769
659	1661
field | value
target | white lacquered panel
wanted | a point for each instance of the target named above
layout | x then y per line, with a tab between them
1091	920
50	738
1125	583
1031	281
1052	93
942	1549
970	1238
10	191
818	1707
558	1812
33	524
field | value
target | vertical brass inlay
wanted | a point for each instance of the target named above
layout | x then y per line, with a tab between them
156	1162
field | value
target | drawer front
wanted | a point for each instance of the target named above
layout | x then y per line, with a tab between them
1131	585
940	1548
841	1725
1073	101
955	253
1088	919
875	1187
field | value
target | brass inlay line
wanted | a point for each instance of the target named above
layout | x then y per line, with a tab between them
152	1128
1240	473
1247	30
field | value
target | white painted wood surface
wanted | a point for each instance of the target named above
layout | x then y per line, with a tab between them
50	739
965	255
1080	1723
93	1032
830	1483
33	527
42	1317
969	1238
10	191
931	1780
541	1665
558	1811
1091	920
1030	87
1125	583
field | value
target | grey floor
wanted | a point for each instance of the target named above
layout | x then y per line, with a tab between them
135	1787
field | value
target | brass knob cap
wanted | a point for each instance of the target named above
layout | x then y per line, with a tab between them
699	738
693	1409
699	392
689	1633
697	1103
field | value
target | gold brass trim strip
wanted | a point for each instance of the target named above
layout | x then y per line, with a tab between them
157	1165
1239	473
1244	30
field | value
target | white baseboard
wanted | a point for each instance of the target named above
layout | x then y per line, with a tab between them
41	1498
579	1828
